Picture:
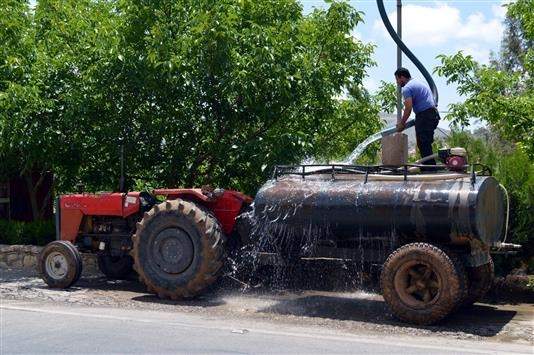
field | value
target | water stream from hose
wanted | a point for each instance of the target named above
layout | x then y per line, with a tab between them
371	139
361	147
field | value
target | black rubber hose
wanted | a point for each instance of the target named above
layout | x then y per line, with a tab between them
409	54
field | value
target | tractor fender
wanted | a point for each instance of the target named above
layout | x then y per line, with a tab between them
226	206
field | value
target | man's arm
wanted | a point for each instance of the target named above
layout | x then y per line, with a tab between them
406	114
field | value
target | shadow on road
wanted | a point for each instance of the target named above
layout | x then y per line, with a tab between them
210	301
102	283
479	320
132	285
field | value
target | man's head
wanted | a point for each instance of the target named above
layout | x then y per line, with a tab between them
402	76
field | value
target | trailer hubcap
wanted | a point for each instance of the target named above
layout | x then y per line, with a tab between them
417	284
56	265
173	250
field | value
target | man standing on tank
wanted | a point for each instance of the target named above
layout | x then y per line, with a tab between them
418	97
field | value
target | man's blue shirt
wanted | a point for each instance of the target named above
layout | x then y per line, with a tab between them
421	95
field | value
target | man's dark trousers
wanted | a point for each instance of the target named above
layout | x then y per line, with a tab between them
425	123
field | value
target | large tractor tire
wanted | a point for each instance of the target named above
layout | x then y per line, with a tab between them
178	249
60	264
422	284
115	267
480	281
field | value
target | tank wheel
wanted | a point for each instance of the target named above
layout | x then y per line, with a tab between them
115	267
421	283
178	249
60	264
480	281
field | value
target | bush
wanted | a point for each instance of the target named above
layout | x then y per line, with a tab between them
35	233
512	167
516	172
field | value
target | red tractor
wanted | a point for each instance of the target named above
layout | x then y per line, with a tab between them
175	239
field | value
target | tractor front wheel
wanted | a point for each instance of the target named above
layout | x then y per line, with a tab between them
178	249
60	264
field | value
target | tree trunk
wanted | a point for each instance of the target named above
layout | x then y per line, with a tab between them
38	210
32	194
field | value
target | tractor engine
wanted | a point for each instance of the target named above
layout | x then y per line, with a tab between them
108	235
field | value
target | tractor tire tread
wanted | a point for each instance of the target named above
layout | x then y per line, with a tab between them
75	263
212	253
430	253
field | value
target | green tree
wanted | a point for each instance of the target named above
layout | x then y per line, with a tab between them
196	91
220	91
501	93
514	46
41	106
17	96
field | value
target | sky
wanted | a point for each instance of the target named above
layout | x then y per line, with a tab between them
430	28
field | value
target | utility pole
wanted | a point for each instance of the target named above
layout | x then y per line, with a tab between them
399	58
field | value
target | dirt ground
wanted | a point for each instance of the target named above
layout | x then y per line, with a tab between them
356	311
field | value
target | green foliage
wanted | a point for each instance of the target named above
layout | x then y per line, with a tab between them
501	93
522	10
513	169
198	92
386	97
16	42
143	185
498	97
41	111
514	46
516	173
35	233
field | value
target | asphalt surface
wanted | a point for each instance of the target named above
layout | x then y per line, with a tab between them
31	327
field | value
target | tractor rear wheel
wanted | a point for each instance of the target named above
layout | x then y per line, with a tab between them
422	284
115	267
480	281
60	264
178	249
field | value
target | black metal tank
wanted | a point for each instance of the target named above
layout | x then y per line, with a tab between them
443	208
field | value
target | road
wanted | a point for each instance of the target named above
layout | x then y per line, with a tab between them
100	315
33	327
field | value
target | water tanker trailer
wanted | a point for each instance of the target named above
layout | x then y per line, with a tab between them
430	232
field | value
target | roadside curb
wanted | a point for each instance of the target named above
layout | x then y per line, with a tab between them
26	256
